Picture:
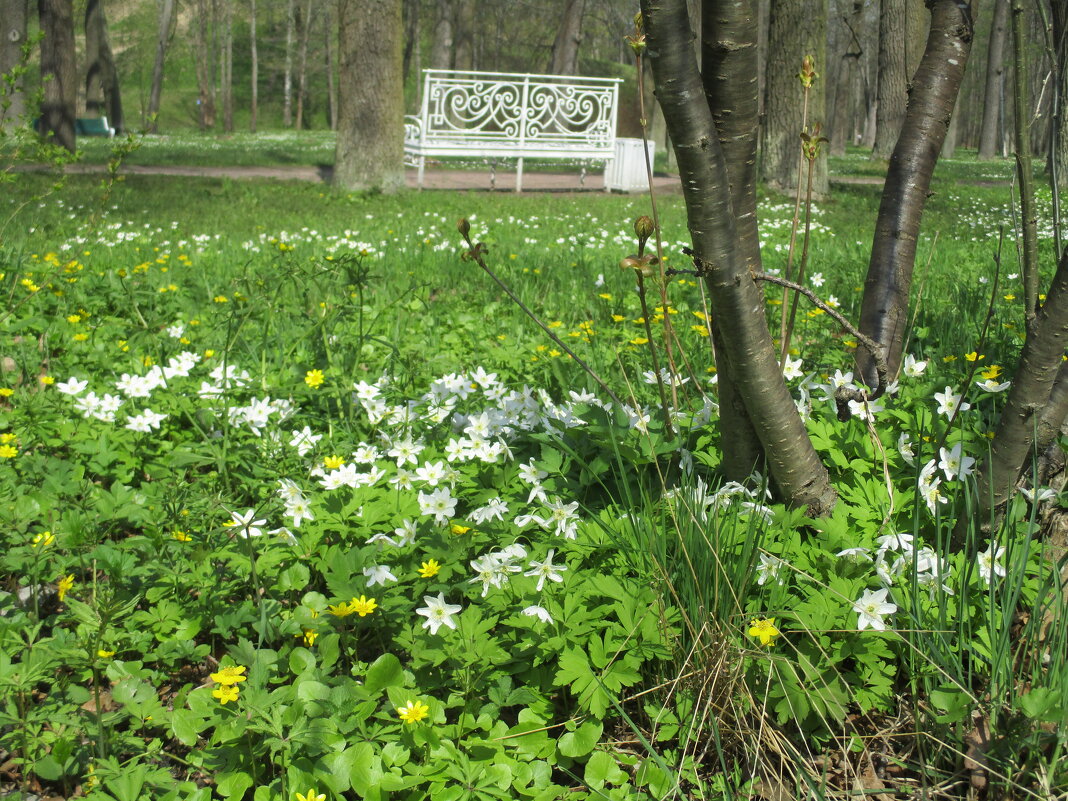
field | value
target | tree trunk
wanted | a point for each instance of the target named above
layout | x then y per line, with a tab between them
737	302
1024	174
849	52
287	78
202	48
1059	145
1029	399
411	35
101	78
797	28
58	72
331	69
995	78
304	24
370	139
564	60
464	51
893	77
729	71
884	309
15	15
441	52
228	65
254	104
167	19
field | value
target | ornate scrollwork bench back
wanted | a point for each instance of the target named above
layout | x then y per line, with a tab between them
501	115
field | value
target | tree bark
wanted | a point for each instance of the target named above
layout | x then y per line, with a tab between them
441	52
15	15
737	302
101	78
304	24
995	78
797	28
1029	400
564	60
254	101
464	51
729	71
227	82
202	47
370	144
884	310
167	19
1059	146
893	78
331	68
1024	175
411	35
58	72
287	77
848	53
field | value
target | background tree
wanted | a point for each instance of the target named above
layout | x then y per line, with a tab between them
893	76
797	28
14	15
102	93
254	78
58	71
370	147
565	53
167	20
994	91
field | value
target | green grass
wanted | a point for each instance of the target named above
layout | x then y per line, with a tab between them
652	614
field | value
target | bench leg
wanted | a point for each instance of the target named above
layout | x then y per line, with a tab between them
422	168
519	176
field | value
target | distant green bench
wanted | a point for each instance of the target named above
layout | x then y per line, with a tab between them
85	126
93	126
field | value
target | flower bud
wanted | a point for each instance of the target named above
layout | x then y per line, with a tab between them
464	227
644	227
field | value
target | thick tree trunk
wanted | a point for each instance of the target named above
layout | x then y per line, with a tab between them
101	78
411	35
58	72
1024	174
254	101
15	16
465	55
441	51
995	80
167	18
564	60
893	77
737	302
729	71
797	28
370	143
287	77
884	309
1029	400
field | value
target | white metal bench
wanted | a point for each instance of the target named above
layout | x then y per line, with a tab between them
494	115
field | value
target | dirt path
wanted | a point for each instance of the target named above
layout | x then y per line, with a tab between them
472	180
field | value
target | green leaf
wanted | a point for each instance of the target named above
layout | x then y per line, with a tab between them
384	672
582	740
186	726
233	784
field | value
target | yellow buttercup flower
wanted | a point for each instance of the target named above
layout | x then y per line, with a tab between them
429	568
309	635
311	795
314	378
340	610
225	693
105	654
63	586
229	675
413	711
764	630
333	462
180	535
363	606
43	540
8	451
458	529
